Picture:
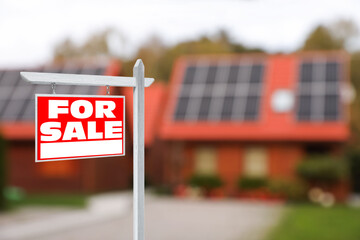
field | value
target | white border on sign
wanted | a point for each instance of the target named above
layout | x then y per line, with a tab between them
71	95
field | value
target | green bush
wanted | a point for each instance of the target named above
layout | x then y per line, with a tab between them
291	190
322	169
353	157
163	190
207	182
251	183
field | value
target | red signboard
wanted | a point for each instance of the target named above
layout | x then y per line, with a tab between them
72	127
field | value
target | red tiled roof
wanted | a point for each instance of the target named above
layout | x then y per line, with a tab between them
281	72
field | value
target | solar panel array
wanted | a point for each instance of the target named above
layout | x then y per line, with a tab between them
17	97
227	91
318	91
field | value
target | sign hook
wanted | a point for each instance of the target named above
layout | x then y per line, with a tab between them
53	87
107	90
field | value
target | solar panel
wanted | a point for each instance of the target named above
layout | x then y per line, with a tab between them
29	111
331	71
229	91
13	110
17	101
181	108
227	108
306	72
256	73
233	74
10	78
204	108
190	74
318	91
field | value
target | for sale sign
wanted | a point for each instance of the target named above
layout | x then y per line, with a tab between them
72	127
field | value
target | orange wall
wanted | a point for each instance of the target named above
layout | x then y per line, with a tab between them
229	165
282	161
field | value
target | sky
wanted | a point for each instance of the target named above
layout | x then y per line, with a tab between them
30	29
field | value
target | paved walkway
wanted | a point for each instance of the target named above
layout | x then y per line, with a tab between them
109	217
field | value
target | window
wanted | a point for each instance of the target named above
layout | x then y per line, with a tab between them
255	162
205	161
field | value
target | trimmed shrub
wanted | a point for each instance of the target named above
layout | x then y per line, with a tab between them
291	190
353	157
162	190
251	183
322	169
206	182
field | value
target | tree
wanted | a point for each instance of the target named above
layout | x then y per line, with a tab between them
355	105
96	47
334	36
65	50
151	53
343	31
159	59
321	39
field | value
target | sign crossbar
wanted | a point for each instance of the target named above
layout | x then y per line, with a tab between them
81	79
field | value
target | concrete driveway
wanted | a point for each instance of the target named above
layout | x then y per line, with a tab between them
166	219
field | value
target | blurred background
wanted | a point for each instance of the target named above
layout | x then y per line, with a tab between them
252	128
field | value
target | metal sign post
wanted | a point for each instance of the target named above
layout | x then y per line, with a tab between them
138	82
138	162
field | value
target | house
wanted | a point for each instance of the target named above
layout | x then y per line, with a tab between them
253	115
17	127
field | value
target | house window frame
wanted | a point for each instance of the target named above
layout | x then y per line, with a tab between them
205	160
258	168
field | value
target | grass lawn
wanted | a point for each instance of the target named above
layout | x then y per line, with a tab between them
67	200
311	222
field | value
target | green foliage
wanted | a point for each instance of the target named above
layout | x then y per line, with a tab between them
159	59
96	46
3	203
355	105
291	190
207	182
14	194
321	39
353	158
251	183
163	190
322	169
334	36
312	222
68	200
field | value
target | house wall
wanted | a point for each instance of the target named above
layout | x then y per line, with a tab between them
85	176
49	176
154	163
282	159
